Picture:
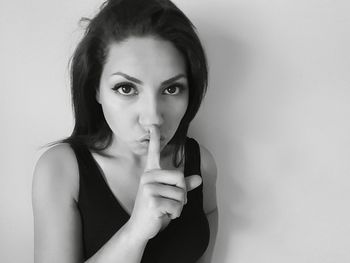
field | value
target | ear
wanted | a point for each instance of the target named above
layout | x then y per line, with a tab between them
98	96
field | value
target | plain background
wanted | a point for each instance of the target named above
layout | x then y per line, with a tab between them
276	118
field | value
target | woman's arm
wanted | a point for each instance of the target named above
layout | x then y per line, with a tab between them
213	224
209	175
57	224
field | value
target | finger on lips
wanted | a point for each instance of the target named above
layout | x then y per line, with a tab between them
153	157
171	178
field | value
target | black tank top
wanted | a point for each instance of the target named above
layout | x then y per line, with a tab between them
184	240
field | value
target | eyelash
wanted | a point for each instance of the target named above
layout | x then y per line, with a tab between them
180	86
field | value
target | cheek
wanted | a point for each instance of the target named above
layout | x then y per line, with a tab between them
182	109
116	115
177	111
184	105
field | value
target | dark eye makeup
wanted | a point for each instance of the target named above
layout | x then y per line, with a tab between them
125	89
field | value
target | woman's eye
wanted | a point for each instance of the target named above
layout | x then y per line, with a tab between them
125	89
174	90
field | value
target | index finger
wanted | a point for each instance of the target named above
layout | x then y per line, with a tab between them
153	157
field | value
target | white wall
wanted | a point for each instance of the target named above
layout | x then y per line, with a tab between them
276	118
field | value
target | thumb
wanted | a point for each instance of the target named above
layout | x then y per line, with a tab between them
193	182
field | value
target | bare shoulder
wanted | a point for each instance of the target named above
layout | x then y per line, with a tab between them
57	223
209	175
56	172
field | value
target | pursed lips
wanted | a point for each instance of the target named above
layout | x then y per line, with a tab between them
147	138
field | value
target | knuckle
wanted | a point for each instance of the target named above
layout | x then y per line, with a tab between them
183	200
174	208
178	214
177	206
181	178
178	211
181	193
174	216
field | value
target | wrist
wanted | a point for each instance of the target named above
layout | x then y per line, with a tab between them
132	236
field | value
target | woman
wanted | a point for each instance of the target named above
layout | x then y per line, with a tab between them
128	185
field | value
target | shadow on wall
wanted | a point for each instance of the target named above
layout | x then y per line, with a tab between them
228	60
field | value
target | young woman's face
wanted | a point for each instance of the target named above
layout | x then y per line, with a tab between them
143	83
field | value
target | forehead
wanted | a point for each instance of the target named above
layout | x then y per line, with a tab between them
145	57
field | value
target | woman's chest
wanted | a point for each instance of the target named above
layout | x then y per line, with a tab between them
123	179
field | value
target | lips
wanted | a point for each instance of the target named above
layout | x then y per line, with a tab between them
144	138
147	138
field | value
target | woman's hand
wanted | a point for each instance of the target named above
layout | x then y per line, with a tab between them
161	194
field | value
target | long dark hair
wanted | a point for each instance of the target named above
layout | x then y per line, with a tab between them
116	21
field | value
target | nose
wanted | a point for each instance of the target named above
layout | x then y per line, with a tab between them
151	112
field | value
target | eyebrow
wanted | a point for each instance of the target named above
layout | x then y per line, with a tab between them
168	81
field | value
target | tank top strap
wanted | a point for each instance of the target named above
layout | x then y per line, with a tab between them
85	161
90	179
192	157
